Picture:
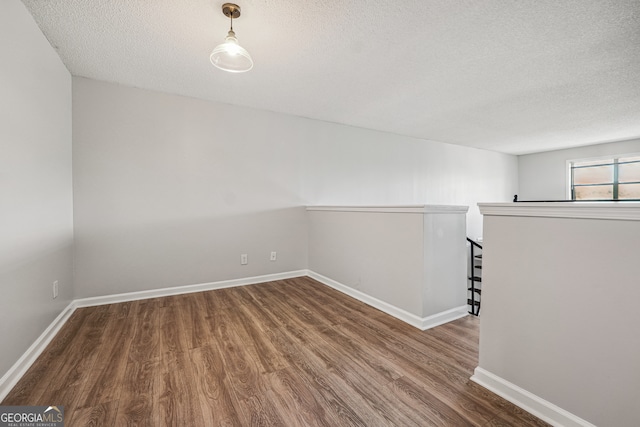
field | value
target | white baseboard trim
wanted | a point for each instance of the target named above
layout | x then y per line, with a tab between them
187	289
422	323
444	317
528	401
13	375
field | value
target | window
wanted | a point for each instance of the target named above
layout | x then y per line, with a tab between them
607	179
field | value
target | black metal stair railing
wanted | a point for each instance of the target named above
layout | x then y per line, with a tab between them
473	279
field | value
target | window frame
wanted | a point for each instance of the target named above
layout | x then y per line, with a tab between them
608	159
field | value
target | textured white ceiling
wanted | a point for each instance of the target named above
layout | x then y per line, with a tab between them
515	76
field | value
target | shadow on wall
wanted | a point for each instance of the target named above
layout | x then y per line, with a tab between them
27	306
141	255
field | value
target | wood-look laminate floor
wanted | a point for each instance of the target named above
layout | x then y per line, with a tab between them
286	353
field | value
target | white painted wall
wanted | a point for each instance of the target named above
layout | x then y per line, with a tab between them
411	258
560	310
379	254
169	190
445	263
353	166
543	176
36	220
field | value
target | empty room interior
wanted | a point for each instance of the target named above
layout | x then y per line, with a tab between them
326	213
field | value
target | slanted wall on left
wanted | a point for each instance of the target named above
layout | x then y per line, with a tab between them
36	195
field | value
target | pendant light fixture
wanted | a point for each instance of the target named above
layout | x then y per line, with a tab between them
230	56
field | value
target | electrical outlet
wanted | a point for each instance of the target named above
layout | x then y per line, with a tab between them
244	259
55	289
274	256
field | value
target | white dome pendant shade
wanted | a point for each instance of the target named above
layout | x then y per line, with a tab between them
230	56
